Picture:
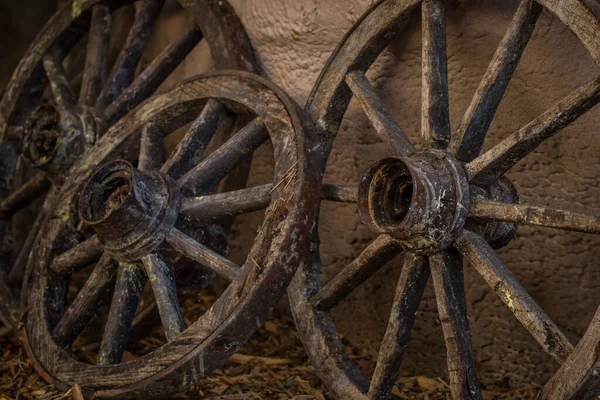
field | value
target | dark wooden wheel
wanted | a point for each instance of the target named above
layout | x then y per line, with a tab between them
58	103
440	204
140	215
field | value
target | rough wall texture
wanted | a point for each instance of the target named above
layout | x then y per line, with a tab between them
293	39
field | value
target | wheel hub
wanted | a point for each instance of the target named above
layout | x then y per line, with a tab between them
132	211
422	200
55	138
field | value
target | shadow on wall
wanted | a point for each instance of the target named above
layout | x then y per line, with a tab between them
20	22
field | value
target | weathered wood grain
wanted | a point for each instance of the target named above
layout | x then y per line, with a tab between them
126	296
381	119
409	291
468	140
190	149
448	281
151	78
494	163
502	281
383	249
96	59
435	110
151	148
78	257
96	292
159	270
206	175
524	214
123	70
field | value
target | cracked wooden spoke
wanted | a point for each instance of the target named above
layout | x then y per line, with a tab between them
95	292
206	175
447	275
409	292
24	195
61	89
573	380
96	59
127	293
149	80
211	208
127	61
203	255
536	216
160	275
381	119
80	256
342	194
468	140
151	148
376	255
507	287
190	150
435	111
491	165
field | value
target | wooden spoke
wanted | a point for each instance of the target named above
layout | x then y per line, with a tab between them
207	175
24	195
447	275
190	150
536	216
409	291
578	377
80	256
96	59
381	119
124	68
343	194
61	89
490	166
375	256
208	209
534	319
468	140
17	272
127	293
203	255
149	80
151	148
435	111
160	274
95	292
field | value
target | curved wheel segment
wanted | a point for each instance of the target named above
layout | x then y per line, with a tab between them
141	219
77	79
440	202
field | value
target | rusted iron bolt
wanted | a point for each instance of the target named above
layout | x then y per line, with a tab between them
130	210
422	200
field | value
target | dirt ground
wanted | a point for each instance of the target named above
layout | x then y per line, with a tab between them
273	365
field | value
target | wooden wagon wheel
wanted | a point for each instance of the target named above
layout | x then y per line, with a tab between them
52	133
139	214
441	203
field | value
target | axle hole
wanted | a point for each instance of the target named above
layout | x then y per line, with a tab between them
386	195
42	136
106	191
400	198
